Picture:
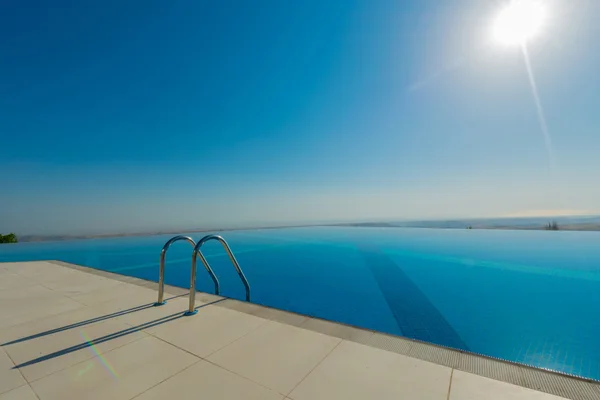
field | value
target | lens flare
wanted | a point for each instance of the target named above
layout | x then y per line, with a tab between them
538	104
103	360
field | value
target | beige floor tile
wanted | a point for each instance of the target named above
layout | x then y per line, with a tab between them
202	296
63	280
12	280
21	393
31	293
356	371
18	310
116	292
337	330
41	271
275	355
45	355
466	386
208	381
124	305
7	267
150	318
118	375
272	314
9	378
79	318
29	268
209	330
49	325
77	283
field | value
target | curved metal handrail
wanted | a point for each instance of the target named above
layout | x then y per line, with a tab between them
196	253
163	255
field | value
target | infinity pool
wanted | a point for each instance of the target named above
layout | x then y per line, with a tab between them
527	296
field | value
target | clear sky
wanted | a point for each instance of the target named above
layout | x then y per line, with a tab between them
120	116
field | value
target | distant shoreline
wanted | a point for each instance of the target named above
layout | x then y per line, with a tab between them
572	227
565	223
52	238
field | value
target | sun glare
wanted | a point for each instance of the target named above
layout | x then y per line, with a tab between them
519	22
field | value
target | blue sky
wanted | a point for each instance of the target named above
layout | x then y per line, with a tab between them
124	116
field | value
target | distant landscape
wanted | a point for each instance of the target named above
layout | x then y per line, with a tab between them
562	223
48	238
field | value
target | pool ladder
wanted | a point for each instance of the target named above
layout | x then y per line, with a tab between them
195	254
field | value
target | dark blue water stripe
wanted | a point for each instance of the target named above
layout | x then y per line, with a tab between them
415	315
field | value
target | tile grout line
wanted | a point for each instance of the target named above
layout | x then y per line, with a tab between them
315	367
174	345
241	376
34	392
217	365
241	337
233	372
21	373
166	379
450	384
15	388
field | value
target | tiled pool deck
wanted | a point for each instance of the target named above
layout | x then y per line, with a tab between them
71	332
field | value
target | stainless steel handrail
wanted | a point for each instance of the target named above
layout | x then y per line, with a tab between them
161	279
195	254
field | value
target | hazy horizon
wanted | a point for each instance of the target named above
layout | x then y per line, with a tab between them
118	117
543	218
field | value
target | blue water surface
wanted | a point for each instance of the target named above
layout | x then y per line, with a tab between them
526	296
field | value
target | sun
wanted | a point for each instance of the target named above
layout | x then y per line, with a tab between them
519	22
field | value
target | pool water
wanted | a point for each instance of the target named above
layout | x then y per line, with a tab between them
526	296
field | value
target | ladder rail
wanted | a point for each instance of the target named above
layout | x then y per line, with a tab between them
196	253
161	274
